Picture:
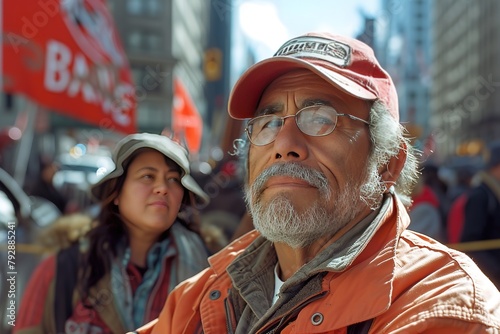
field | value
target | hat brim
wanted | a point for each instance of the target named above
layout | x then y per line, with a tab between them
166	147
187	181
248	89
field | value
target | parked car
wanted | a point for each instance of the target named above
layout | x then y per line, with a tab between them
22	217
77	174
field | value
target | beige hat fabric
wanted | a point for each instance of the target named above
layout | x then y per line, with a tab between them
160	143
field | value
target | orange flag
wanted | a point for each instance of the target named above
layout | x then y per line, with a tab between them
186	121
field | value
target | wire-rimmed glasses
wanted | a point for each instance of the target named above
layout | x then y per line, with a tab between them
316	121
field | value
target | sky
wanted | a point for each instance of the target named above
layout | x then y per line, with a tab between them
270	23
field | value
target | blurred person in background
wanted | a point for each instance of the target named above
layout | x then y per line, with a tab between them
462	184
424	212
221	217
482	213
144	242
44	186
457	195
329	172
432	178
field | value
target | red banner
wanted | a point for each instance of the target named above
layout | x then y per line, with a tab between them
66	55
186	121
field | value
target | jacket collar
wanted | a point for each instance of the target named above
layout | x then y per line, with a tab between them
368	255
367	283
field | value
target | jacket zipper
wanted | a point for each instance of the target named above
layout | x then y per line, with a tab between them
230	318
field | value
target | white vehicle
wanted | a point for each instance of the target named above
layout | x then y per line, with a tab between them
78	174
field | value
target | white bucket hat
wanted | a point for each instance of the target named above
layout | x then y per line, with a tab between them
160	143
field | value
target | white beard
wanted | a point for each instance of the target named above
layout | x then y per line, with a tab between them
279	221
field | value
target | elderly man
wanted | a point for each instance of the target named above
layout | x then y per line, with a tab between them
329	174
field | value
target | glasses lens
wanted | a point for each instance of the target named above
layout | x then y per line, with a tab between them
317	120
263	129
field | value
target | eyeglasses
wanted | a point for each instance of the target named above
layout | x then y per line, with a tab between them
316	121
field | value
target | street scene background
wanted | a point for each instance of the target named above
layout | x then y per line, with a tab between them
79	75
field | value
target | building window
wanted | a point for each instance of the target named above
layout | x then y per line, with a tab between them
134	7
134	40
153	42
153	7
145	41
144	7
137	75
148	80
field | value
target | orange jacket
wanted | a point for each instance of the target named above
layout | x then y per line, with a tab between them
406	282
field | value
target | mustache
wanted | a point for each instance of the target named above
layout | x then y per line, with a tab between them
294	170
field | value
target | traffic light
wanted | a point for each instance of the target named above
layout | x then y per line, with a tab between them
213	64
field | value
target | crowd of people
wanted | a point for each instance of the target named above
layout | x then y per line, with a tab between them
462	211
340	229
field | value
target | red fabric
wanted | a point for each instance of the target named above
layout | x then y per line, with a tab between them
83	319
427	195
343	61
456	218
34	297
83	316
66	55
160	291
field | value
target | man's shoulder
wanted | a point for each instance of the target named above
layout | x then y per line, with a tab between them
481	189
482	198
418	251
425	267
425	262
220	260
481	192
439	282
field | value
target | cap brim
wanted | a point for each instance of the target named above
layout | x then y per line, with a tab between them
248	89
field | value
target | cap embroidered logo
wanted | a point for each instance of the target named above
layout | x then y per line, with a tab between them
316	47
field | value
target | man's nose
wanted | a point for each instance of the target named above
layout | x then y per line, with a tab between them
290	143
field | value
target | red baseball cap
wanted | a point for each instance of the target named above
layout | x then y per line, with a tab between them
345	62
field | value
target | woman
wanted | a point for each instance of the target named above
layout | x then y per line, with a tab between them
120	275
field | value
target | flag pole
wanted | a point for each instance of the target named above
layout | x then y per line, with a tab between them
2	103
25	144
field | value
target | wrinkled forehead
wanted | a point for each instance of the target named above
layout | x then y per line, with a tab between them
304	88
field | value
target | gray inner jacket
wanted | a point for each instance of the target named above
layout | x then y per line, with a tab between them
252	274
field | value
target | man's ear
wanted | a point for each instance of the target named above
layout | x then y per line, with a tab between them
390	172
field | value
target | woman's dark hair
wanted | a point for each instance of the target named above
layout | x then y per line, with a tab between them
109	230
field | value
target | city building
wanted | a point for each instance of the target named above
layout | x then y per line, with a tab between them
405	51
163	39
465	102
